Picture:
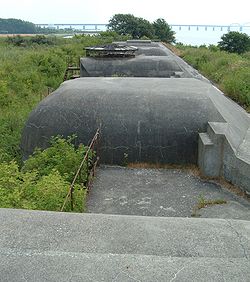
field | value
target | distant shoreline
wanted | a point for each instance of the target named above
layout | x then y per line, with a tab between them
14	34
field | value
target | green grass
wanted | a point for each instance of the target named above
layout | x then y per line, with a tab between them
26	72
230	72
25	75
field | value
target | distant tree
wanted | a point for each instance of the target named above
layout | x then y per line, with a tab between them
127	24
16	26
163	31
235	42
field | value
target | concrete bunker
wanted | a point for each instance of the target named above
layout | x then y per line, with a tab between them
146	47
156	120
149	119
151	51
140	66
144	59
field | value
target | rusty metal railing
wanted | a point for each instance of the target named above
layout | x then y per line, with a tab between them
74	72
90	171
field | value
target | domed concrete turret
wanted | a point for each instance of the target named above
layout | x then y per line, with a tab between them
149	119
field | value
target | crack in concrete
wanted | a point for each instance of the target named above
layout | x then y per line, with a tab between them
180	270
143	147
115	279
36	126
175	275
239	237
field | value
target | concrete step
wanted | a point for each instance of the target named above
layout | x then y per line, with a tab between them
216	130
206	140
53	246
119	234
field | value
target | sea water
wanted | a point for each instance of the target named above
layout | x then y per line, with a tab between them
199	35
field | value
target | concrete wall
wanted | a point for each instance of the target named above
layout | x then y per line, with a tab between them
151	119
140	66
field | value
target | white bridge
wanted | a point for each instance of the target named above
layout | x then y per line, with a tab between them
95	28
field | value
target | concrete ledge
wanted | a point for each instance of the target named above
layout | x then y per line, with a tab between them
64	267
115	234
53	246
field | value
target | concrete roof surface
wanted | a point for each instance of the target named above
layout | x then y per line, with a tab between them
161	192
53	246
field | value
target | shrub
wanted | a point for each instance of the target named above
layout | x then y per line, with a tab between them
45	178
16	40
43	40
50	191
61	156
13	186
235	42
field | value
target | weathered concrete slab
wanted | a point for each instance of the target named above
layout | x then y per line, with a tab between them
50	246
140	66
149	119
116	234
160	192
78	267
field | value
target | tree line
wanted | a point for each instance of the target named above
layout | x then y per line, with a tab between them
122	24
128	24
17	26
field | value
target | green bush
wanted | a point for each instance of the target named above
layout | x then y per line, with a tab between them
61	156
27	191
49	193
45	178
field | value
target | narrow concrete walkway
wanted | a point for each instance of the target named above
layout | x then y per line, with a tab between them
160	192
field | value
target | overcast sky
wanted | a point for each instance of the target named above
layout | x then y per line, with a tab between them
100	11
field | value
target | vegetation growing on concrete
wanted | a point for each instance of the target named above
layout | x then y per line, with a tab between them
204	203
229	71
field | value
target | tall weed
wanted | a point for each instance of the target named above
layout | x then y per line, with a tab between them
230	71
